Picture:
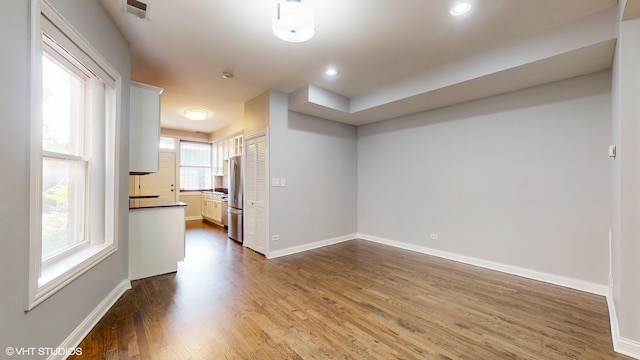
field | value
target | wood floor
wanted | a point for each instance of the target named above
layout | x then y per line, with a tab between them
354	300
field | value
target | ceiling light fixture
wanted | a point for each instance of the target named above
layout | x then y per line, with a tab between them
331	72
293	22
196	114
460	8
227	75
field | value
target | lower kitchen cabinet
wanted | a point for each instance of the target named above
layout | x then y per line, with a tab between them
212	207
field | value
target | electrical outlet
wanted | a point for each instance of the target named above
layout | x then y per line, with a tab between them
433	236
275	182
283	182
275	237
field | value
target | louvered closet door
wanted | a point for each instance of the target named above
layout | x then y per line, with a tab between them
255	212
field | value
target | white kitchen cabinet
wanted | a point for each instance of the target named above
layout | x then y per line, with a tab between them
216	213
237	145
212	207
227	148
214	160
220	163
205	207
144	130
222	150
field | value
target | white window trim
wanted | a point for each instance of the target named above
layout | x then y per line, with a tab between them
65	271
179	165
176	144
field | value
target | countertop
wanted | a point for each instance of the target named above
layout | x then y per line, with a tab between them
153	203
213	192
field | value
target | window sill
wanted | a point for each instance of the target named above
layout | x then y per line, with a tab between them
58	275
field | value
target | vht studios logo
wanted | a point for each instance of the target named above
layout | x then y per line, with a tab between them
41	351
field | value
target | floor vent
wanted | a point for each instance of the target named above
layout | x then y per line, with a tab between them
137	8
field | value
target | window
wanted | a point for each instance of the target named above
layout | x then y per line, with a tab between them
73	152
195	166
65	159
167	143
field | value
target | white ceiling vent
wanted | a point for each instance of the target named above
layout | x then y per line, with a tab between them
137	8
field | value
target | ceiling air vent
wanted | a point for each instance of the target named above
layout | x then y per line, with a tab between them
137	8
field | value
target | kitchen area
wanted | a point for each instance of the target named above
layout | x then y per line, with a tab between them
176	176
218	202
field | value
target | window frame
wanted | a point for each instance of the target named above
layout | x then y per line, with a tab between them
180	166
63	59
166	148
47	276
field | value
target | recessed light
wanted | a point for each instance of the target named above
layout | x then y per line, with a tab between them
196	114
331	72
460	8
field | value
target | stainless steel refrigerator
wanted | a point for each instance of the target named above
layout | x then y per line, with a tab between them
235	198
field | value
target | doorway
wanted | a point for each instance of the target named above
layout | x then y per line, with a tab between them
161	183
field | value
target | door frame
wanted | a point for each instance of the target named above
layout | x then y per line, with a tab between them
246	138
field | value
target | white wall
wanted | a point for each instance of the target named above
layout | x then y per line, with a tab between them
318	159
52	321
520	179
625	214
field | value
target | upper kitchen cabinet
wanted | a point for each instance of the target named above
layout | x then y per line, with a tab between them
237	145
144	135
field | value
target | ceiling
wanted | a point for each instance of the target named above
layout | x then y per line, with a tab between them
376	45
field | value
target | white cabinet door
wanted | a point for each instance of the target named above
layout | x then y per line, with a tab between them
238	145
220	150
255	212
144	111
214	159
217	211
205	205
210	209
227	148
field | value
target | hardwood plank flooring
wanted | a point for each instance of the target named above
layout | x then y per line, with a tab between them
354	300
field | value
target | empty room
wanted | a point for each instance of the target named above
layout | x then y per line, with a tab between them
306	179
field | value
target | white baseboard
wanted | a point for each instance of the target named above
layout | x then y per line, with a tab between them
627	347
311	246
620	344
76	337
576	284
189	218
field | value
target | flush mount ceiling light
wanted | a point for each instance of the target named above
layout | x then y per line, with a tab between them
460	8
196	114
331	72
293	22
